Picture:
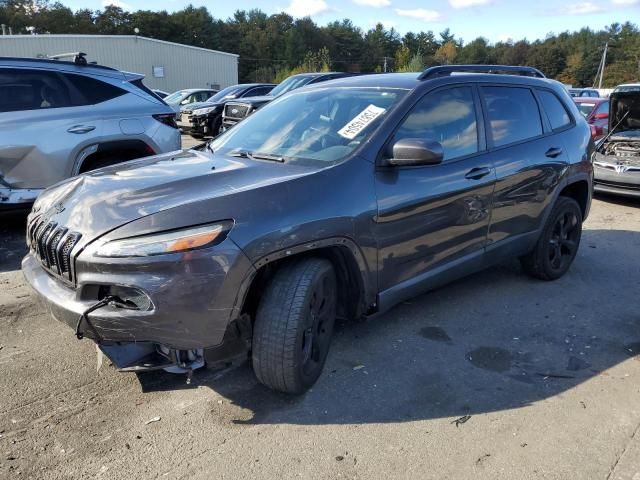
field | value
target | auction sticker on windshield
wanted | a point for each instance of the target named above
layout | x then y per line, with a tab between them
360	122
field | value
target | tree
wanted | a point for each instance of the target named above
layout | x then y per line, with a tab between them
446	54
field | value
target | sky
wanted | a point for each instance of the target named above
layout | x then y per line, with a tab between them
496	20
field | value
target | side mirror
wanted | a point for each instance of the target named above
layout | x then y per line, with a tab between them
415	151
601	116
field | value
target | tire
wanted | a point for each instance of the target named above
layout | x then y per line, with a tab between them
558	244
294	324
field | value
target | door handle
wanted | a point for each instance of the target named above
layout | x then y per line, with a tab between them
553	152
477	173
81	129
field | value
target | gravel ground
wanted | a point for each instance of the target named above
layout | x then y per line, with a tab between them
495	376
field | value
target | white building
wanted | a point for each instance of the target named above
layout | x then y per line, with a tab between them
167	66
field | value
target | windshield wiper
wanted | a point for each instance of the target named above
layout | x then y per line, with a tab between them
257	156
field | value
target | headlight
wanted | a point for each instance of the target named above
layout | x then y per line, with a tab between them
166	242
204	111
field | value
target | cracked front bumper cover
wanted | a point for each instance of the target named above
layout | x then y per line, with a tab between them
193	295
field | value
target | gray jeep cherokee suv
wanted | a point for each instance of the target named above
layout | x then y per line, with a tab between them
59	119
335	201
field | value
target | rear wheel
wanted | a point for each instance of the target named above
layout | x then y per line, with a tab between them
558	244
294	324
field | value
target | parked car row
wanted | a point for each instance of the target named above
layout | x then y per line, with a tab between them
205	118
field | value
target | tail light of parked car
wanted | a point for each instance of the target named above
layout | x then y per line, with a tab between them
168	119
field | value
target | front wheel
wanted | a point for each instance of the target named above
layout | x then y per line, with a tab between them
294	324
558	244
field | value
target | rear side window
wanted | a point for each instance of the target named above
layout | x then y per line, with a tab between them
603	108
32	90
513	114
555	110
446	116
92	91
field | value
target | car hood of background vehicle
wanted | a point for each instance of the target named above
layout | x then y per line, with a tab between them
96	203
200	105
619	104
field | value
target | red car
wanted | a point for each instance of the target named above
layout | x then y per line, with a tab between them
596	111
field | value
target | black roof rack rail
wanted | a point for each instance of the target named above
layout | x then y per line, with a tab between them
445	70
78	57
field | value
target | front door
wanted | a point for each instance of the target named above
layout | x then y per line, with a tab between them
434	217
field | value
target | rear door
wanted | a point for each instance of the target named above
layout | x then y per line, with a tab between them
43	123
434	217
529	157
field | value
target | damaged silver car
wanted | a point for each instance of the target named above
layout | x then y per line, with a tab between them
617	160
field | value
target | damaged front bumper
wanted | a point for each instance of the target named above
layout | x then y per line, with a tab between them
616	178
172	310
18	198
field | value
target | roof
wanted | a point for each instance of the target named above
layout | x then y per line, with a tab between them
138	37
382	80
60	65
590	99
410	81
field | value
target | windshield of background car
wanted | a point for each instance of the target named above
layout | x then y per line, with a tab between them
627	88
586	108
229	92
289	84
325	124
175	97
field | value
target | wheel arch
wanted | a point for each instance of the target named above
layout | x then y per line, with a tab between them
355	294
128	149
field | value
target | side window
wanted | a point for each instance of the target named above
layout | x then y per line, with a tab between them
446	116
90	91
555	110
603	108
513	114
260	91
32	90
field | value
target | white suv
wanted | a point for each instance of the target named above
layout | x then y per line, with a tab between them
59	119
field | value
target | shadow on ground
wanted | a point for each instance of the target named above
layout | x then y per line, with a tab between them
12	240
494	341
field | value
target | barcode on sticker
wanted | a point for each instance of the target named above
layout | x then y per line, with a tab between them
360	122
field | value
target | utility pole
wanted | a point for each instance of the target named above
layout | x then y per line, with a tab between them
385	63
604	62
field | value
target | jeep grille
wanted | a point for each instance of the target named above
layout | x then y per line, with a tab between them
53	246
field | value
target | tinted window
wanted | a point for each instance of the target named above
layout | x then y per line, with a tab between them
448	117
32	90
260	91
91	91
513	114
553	107
603	108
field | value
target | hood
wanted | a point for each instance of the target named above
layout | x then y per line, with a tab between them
619	104
98	202
253	100
199	105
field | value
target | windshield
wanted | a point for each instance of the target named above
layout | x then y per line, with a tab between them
175	97
229	92
289	84
627	88
317	125
586	108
